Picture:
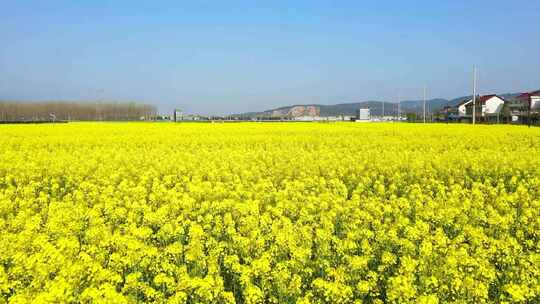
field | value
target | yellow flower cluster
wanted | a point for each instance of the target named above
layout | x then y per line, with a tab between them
269	213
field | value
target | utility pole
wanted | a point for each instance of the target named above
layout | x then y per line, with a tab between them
447	113
382	117
424	107
529	110
399	108
177	114
474	97
428	111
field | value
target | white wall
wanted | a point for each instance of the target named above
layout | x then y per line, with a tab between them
494	105
365	114
535	102
462	111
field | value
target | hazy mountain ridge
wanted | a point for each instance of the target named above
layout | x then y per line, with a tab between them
390	108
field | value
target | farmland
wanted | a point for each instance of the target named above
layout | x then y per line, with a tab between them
269	213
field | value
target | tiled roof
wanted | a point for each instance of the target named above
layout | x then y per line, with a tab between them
526	95
482	99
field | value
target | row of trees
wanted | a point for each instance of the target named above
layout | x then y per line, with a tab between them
64	110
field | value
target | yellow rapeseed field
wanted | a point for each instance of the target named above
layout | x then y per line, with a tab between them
269	213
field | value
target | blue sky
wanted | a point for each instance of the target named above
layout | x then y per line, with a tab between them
231	56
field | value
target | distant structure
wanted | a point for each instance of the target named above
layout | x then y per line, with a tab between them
531	100
363	115
177	115
526	108
323	118
488	108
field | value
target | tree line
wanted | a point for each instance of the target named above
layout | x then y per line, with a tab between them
68	110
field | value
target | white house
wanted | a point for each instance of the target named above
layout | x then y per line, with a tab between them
486	105
534	98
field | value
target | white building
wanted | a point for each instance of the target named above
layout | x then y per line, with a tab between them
534	98
309	118
364	115
486	105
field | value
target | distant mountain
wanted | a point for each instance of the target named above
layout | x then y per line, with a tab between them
376	107
390	108
417	106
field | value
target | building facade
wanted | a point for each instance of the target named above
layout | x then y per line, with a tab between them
488	108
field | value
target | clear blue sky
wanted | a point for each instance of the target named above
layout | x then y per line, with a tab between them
229	56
